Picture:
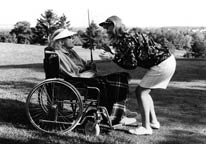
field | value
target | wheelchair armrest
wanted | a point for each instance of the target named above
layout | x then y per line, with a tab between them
93	93
94	88
49	52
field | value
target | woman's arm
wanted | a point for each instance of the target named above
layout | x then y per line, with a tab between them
125	53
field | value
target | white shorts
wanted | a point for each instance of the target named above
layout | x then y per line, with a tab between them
160	75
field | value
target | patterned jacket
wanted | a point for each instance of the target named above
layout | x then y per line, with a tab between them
138	50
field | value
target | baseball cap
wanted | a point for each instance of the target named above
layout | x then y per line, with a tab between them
106	23
111	21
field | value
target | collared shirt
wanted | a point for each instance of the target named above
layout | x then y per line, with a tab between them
138	50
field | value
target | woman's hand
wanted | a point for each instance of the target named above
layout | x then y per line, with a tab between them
107	49
106	55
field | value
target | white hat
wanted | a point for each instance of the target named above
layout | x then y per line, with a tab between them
62	33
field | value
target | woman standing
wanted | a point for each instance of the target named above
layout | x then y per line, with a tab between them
132	50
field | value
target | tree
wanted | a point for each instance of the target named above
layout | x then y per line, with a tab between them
91	37
47	24
23	32
160	37
173	38
7	37
199	45
63	23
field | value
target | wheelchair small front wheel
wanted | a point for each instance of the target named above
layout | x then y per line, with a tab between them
92	128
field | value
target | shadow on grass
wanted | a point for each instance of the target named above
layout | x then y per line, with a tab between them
35	66
180	105
10	141
13	112
184	137
39	141
186	106
12	103
50	139
18	84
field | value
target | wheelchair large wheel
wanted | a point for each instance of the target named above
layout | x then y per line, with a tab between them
54	106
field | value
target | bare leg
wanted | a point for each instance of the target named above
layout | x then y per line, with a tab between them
146	106
153	117
144	102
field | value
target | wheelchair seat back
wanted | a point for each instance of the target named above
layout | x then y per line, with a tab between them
51	64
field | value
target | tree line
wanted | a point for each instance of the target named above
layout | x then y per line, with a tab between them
191	39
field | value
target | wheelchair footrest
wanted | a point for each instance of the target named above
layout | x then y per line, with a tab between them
55	122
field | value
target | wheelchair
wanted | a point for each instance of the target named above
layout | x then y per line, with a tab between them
57	105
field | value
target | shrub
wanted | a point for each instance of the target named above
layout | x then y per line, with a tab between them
7	37
199	48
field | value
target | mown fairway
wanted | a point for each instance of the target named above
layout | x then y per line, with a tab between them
181	108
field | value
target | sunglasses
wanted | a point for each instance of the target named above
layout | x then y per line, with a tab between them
70	37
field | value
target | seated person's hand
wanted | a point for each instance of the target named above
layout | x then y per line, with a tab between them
91	66
87	74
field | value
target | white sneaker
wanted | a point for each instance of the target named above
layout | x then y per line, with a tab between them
141	131
127	121
155	125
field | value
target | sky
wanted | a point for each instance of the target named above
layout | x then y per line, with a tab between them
134	13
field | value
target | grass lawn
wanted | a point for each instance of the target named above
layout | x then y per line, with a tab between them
181	109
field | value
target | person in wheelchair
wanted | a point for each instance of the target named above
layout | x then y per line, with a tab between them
113	87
